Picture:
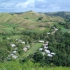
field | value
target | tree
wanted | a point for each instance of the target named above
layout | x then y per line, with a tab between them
38	57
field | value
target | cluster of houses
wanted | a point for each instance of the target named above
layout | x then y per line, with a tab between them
14	53
44	50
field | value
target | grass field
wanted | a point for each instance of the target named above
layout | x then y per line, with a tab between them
32	50
63	29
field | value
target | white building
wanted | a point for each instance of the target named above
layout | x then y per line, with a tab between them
8	38
45	47
11	54
53	53
13	45
23	42
47	51
56	29
19	40
40	49
41	41
24	49
14	56
49	55
14	52
48	33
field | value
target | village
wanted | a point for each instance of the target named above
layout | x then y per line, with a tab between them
25	47
34	40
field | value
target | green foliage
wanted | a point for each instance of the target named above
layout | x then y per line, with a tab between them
31	30
38	57
15	65
4	50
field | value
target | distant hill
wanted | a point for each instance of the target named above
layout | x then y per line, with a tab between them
28	18
60	14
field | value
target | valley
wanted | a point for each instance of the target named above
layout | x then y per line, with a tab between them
35	41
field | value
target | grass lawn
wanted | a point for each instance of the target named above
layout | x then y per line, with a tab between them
33	49
63	29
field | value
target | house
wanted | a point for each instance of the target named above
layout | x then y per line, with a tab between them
28	46
13	45
53	53
41	41
8	38
19	40
47	51
23	42
24	49
11	54
14	56
49	55
56	29
45	47
48	33
14	52
40	49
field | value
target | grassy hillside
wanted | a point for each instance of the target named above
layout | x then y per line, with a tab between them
30	27
27	20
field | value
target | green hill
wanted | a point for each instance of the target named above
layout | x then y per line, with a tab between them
23	35
26	20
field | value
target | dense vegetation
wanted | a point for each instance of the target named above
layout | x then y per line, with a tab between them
28	65
21	27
